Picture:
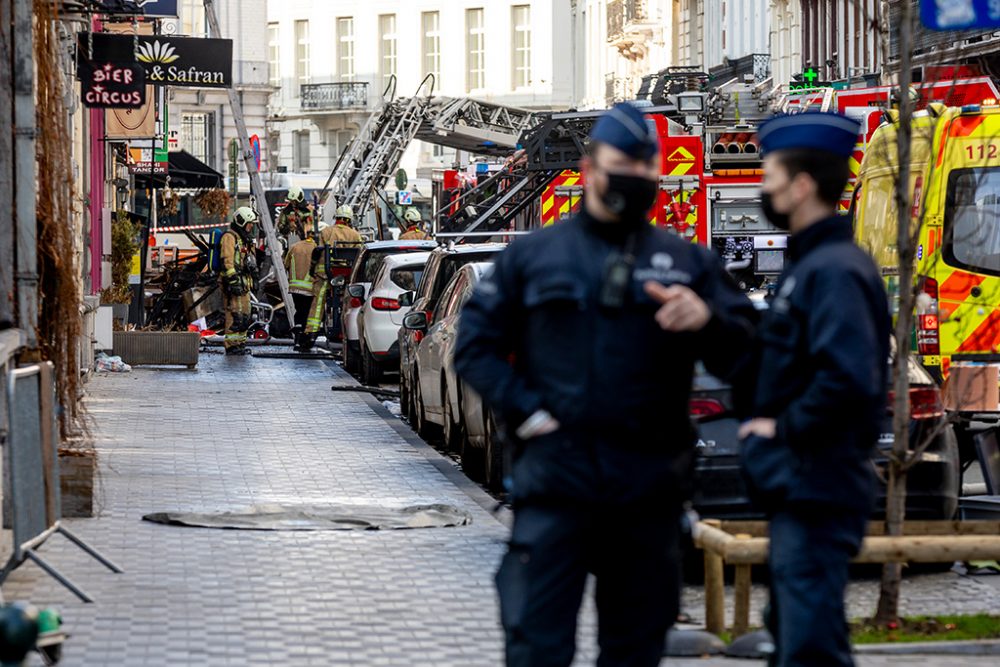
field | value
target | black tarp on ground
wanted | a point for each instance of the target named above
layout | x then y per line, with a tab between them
320	517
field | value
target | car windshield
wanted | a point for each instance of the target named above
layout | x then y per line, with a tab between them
450	266
972	220
372	262
407	277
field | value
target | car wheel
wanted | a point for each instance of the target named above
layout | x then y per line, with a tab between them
454	434
371	370
493	456
472	462
350	362
423	428
404	394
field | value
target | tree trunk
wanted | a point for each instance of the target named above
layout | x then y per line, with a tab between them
895	511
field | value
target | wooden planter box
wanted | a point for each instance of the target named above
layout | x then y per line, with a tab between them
76	483
158	348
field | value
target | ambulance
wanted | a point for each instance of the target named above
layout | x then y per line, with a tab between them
955	184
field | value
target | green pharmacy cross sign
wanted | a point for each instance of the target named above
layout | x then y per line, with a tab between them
808	79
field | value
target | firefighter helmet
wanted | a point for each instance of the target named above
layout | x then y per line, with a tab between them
412	215
296	195
345	212
245	217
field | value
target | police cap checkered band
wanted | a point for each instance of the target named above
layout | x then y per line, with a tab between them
829	132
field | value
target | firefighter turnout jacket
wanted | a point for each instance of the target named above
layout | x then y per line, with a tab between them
414	233
300	266
297	219
234	251
340	233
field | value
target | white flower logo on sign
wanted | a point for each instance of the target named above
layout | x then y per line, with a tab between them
157	53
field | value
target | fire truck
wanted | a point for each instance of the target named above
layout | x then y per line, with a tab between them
710	177
709	187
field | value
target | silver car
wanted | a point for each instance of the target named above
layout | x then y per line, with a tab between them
440	401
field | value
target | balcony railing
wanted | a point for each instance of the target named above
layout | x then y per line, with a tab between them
624	13
334	96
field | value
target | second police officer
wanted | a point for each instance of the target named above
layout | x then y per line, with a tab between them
584	340
820	391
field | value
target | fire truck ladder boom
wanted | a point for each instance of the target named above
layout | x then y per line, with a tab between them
504	208
399	125
353	156
461	123
554	143
474	126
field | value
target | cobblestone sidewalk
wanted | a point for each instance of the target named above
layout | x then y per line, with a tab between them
238	432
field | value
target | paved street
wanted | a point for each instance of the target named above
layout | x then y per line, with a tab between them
237	432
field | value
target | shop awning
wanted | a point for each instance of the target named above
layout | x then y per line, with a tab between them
185	171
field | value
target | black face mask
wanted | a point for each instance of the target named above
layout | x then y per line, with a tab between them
630	197
782	221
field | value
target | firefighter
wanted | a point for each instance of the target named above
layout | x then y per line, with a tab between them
300	262
296	216
237	277
604	317
415	226
341	231
818	400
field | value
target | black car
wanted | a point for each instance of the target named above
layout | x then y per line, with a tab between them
444	263
932	484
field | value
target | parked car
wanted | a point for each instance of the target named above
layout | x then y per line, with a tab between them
720	491
440	398
381	316
441	267
362	273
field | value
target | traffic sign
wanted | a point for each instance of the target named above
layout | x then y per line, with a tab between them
960	14
255	147
404	198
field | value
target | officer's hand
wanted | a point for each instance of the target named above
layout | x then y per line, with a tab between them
765	428
681	309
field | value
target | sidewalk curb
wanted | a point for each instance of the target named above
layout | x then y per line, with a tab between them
444	465
972	647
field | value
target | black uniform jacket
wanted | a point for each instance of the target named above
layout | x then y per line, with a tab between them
534	335
823	365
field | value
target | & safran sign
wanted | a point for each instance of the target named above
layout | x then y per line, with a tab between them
169	61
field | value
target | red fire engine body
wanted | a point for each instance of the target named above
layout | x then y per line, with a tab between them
710	182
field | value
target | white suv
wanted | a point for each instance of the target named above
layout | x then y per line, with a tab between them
365	267
382	314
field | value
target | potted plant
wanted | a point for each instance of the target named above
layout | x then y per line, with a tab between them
124	244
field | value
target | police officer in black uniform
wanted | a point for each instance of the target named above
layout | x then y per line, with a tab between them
583	340
820	393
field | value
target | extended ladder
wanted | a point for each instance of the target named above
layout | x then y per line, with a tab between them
396	128
256	187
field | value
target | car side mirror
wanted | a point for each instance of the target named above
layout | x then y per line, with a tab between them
356	291
406	299
415	321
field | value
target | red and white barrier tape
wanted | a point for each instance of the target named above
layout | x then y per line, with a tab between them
186	228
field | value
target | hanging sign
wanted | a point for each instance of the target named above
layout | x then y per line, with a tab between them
168	61
138	7
960	14
112	85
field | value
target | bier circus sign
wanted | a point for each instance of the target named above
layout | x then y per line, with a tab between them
112	85
167	61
